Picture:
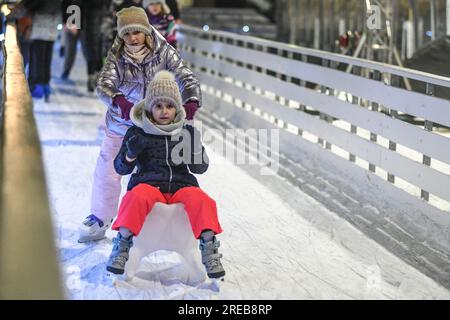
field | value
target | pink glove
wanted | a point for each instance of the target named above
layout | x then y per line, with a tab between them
191	108
171	39
124	105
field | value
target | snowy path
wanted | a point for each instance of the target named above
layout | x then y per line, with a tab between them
270	251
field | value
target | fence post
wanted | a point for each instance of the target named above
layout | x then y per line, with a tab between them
355	100
395	81
375	108
428	126
323	90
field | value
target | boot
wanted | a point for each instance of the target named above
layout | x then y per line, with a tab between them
119	255
47	92
211	258
93	229
37	91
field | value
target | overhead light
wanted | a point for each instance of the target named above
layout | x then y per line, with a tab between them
59	27
205	27
246	28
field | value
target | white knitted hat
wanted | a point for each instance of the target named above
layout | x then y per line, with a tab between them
146	3
132	19
163	88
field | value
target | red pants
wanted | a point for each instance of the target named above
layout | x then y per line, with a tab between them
139	201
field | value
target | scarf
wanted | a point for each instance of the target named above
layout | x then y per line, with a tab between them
137	53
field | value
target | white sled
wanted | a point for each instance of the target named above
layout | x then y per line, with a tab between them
167	227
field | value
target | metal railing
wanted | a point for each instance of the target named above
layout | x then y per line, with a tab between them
28	258
361	115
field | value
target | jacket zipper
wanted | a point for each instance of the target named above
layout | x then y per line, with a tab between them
168	164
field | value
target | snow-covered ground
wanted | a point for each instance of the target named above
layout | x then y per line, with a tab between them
270	251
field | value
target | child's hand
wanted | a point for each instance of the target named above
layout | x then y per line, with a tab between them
124	105
135	145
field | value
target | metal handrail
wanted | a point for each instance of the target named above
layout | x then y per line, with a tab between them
358	62
28	259
225	61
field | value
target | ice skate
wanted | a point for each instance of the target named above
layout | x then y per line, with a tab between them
211	258
120	254
93	229
37	91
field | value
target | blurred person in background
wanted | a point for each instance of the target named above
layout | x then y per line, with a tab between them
89	33
159	17
91	38
45	15
174	10
24	26
71	35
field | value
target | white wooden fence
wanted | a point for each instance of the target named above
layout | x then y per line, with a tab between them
359	115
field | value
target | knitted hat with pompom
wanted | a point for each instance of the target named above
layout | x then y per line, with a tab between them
162	89
132	19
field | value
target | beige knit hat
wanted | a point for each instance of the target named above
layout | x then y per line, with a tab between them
163	88
132	19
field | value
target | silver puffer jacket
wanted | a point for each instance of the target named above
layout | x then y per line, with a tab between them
125	76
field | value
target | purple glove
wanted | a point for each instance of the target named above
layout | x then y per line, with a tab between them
124	105
191	108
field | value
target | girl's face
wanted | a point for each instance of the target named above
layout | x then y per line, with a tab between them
163	113
134	38
155	8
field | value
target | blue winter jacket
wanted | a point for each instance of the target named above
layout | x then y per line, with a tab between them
155	164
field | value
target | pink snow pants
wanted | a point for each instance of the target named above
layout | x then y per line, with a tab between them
139	201
106	185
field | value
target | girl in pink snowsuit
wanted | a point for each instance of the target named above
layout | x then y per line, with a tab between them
138	53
